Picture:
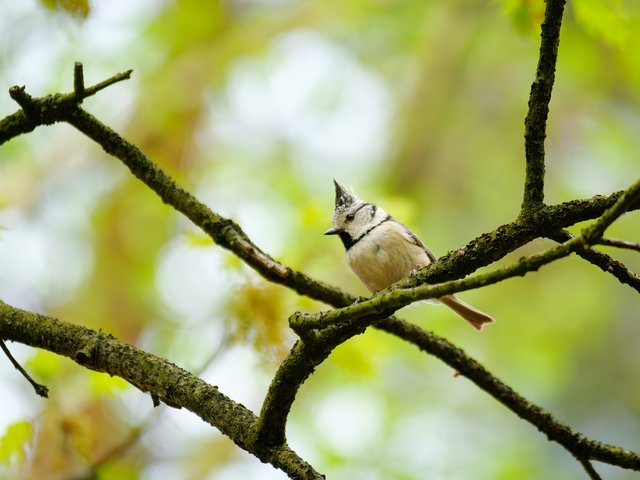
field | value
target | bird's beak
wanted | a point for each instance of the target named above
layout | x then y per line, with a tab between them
332	231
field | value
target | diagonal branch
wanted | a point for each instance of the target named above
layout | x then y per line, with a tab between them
556	431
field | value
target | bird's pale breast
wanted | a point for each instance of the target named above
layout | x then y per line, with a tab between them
385	256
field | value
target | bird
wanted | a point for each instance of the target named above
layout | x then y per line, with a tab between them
382	251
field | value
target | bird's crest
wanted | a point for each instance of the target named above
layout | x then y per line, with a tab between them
344	198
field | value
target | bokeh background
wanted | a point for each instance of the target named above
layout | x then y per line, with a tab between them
254	106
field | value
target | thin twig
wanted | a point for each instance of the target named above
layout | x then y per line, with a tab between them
41	390
119	77
594	232
588	467
615	242
605	262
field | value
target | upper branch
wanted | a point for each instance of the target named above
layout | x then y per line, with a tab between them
535	123
481	251
52	108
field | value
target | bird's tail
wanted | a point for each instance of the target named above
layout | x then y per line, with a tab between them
472	315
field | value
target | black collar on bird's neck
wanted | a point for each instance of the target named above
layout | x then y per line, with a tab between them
349	242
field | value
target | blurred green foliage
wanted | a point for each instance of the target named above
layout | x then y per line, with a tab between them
13	442
78	8
255	106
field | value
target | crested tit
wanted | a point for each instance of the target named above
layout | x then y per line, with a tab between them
381	251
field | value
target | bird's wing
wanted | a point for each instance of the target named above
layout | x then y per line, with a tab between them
411	237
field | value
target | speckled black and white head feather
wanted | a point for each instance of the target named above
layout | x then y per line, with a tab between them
344	198
354	218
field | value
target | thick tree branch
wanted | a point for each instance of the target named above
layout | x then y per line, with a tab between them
492	246
120	447
174	386
292	373
535	123
302	360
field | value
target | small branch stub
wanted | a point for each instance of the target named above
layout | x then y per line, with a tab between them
78	81
21	97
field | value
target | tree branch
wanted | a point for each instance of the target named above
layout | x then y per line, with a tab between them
603	261
389	301
535	123
40	390
134	432
148	373
589	469
555	431
624	244
302	360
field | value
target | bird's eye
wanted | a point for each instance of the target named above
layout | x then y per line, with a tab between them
350	217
